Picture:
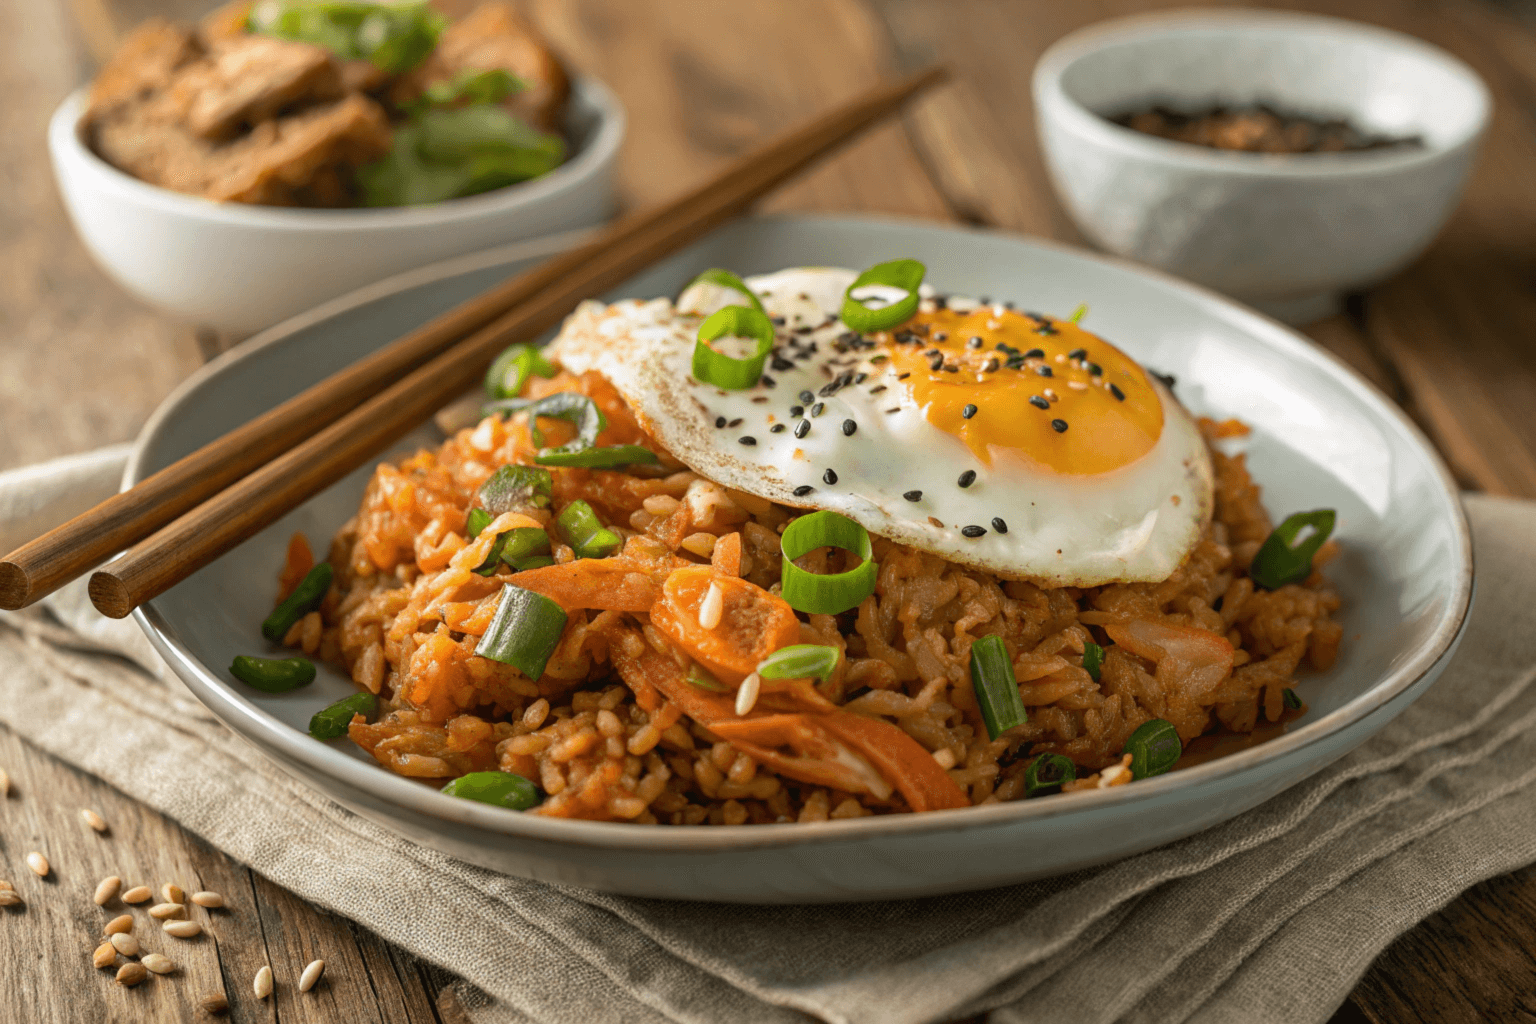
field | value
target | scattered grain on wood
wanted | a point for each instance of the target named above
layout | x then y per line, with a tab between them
9	898
38	863
208	899
130	974
93	819
172	893
105	955
183	929
262	984
5	783
124	943
138	894
311	975
159	963
118	925
164	911
216	1005
107	889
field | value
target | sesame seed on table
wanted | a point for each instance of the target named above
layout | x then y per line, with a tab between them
1448	339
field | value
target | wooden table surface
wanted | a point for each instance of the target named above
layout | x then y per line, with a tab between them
81	364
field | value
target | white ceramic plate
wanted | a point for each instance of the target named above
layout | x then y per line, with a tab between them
1322	437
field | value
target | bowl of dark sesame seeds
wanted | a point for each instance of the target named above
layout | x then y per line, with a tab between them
1284	159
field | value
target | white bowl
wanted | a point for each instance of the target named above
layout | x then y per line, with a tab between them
1287	233
1322	438
240	268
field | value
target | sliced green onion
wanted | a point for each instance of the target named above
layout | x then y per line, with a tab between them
725	279
1047	773
704	681
1292	701
1093	659
598	458
306	597
1154	748
514	546
905	274
503	789
589	421
723	371
477	520
800	661
585	533
394	36
273	675
1078	313
997	688
1280	560
511	370
531	562
515	489
470	86
331	722
837	592
525	631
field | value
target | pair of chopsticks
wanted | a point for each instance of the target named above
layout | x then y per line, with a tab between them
188	514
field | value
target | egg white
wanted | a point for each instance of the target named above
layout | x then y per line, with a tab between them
1136	523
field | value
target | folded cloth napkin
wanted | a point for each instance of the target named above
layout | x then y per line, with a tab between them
1271	917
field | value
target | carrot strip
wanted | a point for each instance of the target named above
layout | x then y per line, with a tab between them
296	566
603	584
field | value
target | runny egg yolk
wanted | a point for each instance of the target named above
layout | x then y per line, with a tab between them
1043	389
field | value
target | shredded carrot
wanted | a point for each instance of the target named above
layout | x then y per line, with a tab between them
753	623
295	567
727	555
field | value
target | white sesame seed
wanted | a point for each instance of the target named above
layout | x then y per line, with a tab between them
138	894
311	975
106	889
105	955
159	963
182	929
162	911
124	943
5	783
38	863
945	757
208	899
93	819
712	607
263	983
1110	775
119	924
172	893
9	897
746	694
131	974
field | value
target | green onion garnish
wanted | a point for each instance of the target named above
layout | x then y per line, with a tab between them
1078	313
1292	701
477	520
589	421
725	279
514	489
1046	774
904	274
525	631
997	688
723	371
306	597
470	86
598	458
514	546
511	370
800	661
1093	659
1154	748
394	36
704	681
532	562
504	789
585	533
1280	560
826	595
331	722
273	675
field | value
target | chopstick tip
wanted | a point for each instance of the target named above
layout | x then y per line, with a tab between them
110	595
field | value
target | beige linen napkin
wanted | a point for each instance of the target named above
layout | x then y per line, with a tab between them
1271	917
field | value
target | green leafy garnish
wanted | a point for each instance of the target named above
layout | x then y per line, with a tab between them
273	675
800	661
1046	774
906	275
582	413
331	722
831	593
511	370
503	789
524	632
712	366
1154	748
997	688
469	87
1093	659
514	547
443	154
514	489
1281	560
585	533
477	520
306	597
394	36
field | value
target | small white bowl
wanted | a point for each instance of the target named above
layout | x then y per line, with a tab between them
1286	233
240	268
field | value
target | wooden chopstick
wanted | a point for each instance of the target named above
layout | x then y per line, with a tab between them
237	513
47	563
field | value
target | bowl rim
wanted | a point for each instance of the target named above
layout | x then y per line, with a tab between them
66	144
426	803
1052	97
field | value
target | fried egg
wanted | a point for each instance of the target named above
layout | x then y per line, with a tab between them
1011	442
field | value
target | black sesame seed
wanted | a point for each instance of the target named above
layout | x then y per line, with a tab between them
974	531
1046	329
992	366
913	495
999	525
769	382
735	423
975	342
904	376
777	321
777	428
967	478
802	428
877	390
1096	369
803	490
860	378
719	421
849	427
806	398
952	368
1035	353
1060	426
968	411
781	364
937	364
748	440
1078	353
931	353
1115	390
1045	371
829	477
818	408
894	408
1039	402
797	410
